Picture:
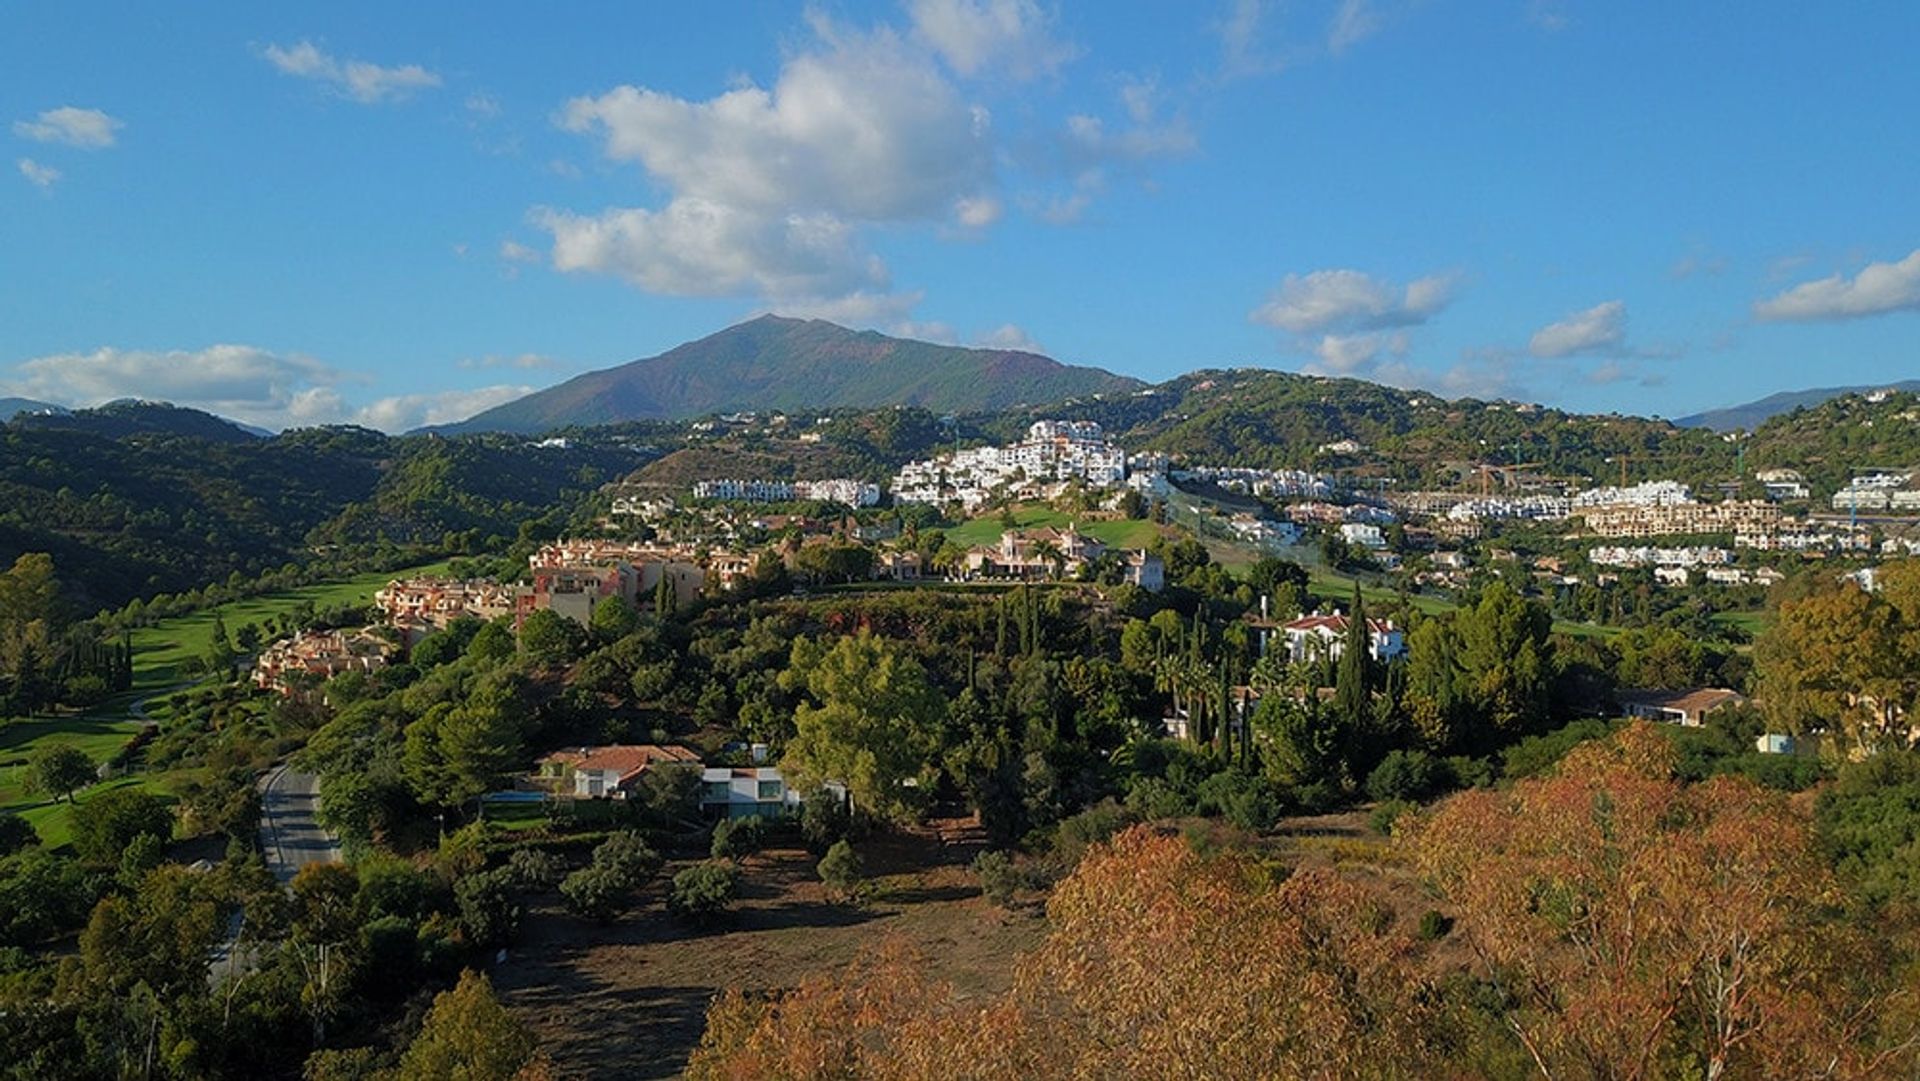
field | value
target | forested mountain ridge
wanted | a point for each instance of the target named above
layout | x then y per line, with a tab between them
774	363
143	514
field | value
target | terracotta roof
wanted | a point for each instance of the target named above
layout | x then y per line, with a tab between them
1335	623
625	759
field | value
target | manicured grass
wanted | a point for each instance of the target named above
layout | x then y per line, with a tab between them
1122	533
159	650
1753	623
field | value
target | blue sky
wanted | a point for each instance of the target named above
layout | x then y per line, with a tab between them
398	214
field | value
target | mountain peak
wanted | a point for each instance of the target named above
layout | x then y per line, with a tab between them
775	362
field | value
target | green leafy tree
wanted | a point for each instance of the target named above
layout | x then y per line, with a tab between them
613	619
107	823
467	1036
841	870
16	835
549	638
703	893
876	726
59	770
489	911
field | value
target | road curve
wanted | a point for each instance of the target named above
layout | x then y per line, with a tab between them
290	836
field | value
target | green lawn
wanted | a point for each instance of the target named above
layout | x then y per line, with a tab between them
1124	533
159	650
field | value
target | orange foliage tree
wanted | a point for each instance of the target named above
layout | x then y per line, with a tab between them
1159	963
1633	926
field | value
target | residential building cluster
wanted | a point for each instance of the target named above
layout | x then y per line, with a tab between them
1657	519
1652	493
616	772
1803	539
1522	507
1620	556
1264	531
852	493
1878	491
317	656
1783	485
1274	483
1054	453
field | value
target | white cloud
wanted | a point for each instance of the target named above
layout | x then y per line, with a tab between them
89	129
242	382
1009	336
40	176
406	412
524	361
1243	47
697	247
1601	329
864	308
977	211
1353	22
483	106
366	83
1548	15
1878	288
1008	36
1350	301
515	252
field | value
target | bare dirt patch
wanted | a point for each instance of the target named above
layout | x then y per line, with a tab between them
629	1000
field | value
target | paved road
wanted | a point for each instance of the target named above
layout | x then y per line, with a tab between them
289	834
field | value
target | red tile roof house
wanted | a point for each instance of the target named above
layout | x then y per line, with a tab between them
609	772
317	656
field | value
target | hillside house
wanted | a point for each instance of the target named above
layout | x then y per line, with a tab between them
1688	708
609	772
746	792
1313	636
1146	570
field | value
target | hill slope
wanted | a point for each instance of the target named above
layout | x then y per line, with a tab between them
12	407
1752	414
792	364
118	420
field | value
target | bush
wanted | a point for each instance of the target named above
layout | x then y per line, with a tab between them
840	869
627	855
734	838
596	893
702	893
1389	812
1153	798
824	821
489	912
16	833
1246	801
1433	926
1000	878
1095	825
536	869
1404	775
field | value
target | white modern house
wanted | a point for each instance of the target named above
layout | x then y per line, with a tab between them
746	792
1317	635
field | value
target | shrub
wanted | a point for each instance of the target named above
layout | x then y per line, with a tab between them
1153	798
999	878
1246	801
489	912
16	833
841	870
1090	827
596	893
824	821
1404	775
702	893
536	869
1434	926
1387	813
627	855
734	838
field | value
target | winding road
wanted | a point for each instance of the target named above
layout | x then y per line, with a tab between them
290	836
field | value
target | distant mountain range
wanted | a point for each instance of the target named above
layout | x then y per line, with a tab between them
128	417
13	407
1752	414
774	363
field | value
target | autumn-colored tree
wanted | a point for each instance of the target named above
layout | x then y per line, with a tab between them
1159	962
1633	926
